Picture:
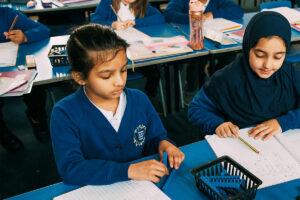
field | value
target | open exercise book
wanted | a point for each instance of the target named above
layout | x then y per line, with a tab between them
221	24
16	83
133	190
8	54
292	15
144	47
278	160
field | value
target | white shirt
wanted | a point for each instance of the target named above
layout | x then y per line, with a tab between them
114	120
125	13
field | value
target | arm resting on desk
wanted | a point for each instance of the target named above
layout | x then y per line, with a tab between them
34	31
204	114
291	120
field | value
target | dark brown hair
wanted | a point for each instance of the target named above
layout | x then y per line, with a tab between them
92	44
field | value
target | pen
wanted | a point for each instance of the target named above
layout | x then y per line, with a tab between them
115	12
249	145
13	23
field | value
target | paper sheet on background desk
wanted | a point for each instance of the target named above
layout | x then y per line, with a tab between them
290	14
8	54
273	165
131	35
133	190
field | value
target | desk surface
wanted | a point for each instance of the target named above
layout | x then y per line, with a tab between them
196	154
214	48
48	74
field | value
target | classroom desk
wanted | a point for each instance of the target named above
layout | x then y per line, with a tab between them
87	5
48	74
214	48
183	184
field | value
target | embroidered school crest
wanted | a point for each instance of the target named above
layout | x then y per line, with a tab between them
139	135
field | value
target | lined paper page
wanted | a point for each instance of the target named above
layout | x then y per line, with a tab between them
221	24
291	141
290	14
8	54
127	190
131	35
273	165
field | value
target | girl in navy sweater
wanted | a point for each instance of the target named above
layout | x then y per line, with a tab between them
259	88
103	126
132	13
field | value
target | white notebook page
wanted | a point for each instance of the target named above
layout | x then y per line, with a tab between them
291	141
8	54
127	190
273	165
131	35
290	14
221	24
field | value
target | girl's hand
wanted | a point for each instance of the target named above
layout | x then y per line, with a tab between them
207	16
265	130
118	25
151	170
130	23
16	36
227	129
175	156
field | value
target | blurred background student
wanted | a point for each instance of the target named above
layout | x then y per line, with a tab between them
25	30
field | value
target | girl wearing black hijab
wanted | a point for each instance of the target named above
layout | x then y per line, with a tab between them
258	89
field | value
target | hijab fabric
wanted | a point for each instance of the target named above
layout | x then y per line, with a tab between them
244	98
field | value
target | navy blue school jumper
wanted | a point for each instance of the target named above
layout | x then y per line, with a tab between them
34	31
105	15
178	10
88	150
237	94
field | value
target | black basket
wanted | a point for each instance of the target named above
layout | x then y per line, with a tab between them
58	55
232	168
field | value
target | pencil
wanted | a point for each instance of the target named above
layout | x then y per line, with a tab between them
249	145
115	12
229	28
13	23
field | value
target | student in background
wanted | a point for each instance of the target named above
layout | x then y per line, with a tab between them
24	31
102	127
133	13
177	11
259	88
